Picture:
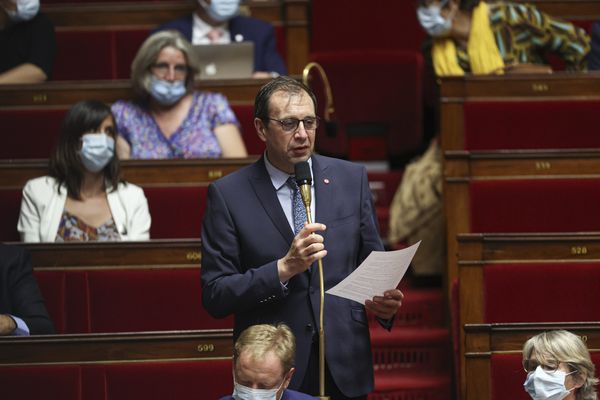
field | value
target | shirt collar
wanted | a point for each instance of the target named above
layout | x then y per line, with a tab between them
202	27
278	177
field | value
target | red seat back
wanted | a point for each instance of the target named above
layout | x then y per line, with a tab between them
202	379
176	212
543	205
148	300
542	125
533	283
30	133
10	207
245	115
380	113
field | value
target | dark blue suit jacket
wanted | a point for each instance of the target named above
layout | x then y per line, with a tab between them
594	55
261	33
245	232
19	292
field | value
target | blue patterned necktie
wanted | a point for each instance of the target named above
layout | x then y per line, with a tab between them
298	210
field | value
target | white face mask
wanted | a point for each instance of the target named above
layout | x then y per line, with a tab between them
241	392
97	149
546	385
432	21
26	10
221	10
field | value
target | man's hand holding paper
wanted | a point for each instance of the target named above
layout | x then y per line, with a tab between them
370	283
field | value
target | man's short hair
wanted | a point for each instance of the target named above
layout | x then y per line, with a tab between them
281	83
258	340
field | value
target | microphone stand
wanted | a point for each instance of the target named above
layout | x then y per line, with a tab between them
305	193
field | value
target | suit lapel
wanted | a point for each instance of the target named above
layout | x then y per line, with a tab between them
263	187
323	191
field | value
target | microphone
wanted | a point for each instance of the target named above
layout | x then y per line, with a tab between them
304	180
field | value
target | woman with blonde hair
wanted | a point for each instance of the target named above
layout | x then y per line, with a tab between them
558	367
168	118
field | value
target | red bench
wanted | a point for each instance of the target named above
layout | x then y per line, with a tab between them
34	131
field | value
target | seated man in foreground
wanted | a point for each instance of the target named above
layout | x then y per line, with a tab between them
22	308
263	364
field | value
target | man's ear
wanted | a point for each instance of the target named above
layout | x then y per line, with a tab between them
288	377
261	129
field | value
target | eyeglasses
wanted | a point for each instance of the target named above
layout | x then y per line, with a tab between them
163	69
551	365
291	124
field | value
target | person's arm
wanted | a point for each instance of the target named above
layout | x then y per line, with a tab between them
594	56
272	61
568	41
123	148
230	140
29	216
26	298
225	125
24	73
139	219
383	307
227	287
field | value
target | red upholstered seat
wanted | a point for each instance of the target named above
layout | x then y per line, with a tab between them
148	300
533	287
84	54
176	212
541	125
10	207
202	379
126	300
394	26
507	376
51	382
96	53
378	103
53	285
245	115
126	45
30	133
34	131
552	205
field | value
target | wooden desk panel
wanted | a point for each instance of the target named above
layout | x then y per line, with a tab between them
146	173
521	164
155	253
117	347
65	94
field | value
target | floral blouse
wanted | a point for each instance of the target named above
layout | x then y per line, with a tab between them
72	228
195	138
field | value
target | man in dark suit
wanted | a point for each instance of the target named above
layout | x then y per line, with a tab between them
254	266
22	308
216	21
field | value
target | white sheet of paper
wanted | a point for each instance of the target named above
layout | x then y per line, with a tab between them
380	271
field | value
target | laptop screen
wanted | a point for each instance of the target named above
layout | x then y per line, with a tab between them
225	61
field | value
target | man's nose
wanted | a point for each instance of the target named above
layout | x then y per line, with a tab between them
301	133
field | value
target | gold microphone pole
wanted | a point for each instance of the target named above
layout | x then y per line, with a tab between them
306	198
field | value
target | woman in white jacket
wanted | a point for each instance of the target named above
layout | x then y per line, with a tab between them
83	198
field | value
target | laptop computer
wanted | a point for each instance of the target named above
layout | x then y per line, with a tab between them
225	61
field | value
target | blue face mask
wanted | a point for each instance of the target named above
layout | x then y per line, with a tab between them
97	149
221	10
547	385
432	21
26	10
165	92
